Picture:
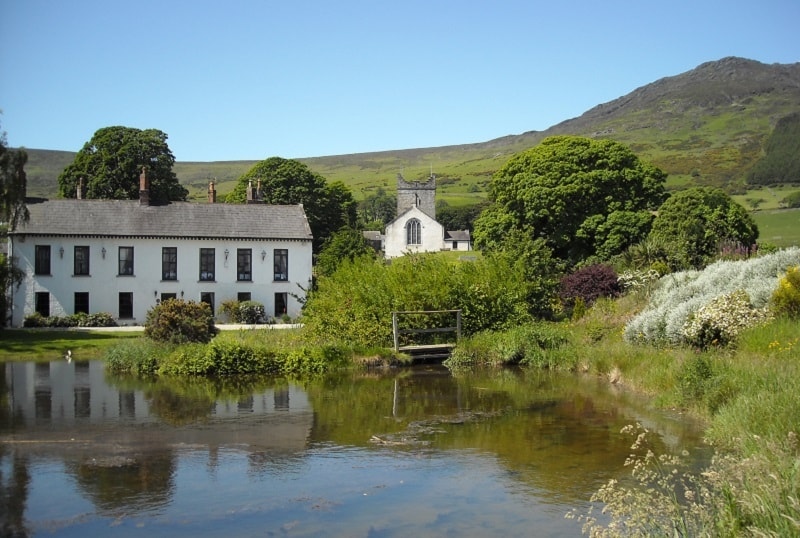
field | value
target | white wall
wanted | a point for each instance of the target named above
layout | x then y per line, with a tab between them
104	284
460	245
432	235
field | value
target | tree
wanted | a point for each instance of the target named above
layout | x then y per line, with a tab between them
379	206
12	184
583	197
696	221
111	162
12	211
345	244
781	160
286	181
458	218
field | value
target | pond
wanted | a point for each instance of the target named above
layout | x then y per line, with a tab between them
405	452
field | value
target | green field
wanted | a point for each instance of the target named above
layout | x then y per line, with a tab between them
780	227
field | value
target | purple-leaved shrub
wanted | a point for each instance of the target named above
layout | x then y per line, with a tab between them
589	284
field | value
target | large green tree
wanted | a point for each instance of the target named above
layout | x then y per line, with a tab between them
12	184
378	207
328	207
584	197
111	162
12	211
345	244
697	221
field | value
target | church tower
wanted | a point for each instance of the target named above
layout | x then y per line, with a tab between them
422	195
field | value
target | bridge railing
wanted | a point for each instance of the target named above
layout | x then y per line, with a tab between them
397	331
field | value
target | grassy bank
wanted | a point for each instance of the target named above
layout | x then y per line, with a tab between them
52	344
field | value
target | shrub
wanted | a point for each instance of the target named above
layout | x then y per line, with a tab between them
720	321
99	319
491	293
589	283
249	312
313	360
35	320
229	308
534	344
638	279
679	295
178	322
785	299
139	356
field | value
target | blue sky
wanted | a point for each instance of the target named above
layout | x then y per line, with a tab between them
253	79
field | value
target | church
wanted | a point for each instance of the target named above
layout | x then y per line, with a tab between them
415	228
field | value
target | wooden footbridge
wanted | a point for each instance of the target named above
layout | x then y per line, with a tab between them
425	352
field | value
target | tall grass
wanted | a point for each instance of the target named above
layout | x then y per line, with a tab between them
749	393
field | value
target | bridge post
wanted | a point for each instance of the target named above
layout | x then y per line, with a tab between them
396	332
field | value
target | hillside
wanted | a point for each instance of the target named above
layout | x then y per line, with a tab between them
706	126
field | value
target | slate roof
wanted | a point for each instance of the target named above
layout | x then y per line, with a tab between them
129	218
457	235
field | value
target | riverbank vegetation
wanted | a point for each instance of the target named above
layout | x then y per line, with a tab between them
679	303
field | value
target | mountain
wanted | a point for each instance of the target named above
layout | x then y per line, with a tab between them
705	126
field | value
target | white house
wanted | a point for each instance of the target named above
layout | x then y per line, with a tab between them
415	228
124	256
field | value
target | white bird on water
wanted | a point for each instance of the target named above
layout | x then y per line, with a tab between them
68	355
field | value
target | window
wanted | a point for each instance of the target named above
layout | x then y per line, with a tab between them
280	304
42	262
168	296
413	235
244	264
208	298
281	264
125	261
169	263
43	303
81	265
243	296
207	264
81	302
455	245
126	305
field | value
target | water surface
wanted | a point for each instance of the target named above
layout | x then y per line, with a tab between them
411	452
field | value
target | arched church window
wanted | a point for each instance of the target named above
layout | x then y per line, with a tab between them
413	232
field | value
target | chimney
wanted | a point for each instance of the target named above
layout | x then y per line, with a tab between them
212	193
144	187
81	193
259	196
250	198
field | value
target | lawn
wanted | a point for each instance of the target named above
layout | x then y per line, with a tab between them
48	344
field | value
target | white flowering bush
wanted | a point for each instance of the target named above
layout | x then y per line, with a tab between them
637	279
678	296
720	321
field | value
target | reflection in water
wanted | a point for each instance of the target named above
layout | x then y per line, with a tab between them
414	451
